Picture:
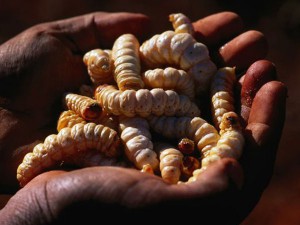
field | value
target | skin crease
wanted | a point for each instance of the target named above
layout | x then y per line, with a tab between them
224	194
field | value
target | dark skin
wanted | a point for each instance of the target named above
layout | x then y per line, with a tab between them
45	61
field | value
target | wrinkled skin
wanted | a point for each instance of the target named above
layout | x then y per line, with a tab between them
40	64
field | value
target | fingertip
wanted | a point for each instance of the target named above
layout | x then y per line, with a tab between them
268	106
258	74
243	50
221	173
217	28
111	26
234	171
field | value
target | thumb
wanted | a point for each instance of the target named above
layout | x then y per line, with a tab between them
100	29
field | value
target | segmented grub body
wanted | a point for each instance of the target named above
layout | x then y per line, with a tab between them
181	23
222	93
136	137
170	163
179	50
69	118
88	108
67	143
125	54
99	66
144	102
171	48
202	73
230	144
197	129
170	78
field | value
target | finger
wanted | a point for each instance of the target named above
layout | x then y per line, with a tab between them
100	29
243	50
216	175
215	190
218	28
120	23
263	132
268	106
258	74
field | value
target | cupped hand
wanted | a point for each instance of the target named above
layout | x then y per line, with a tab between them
225	193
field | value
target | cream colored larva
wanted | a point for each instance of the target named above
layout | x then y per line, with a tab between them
144	102
127	68
197	129
67	143
180	50
69	118
170	78
137	139
222	93
99	66
87	107
181	23
230	144
170	162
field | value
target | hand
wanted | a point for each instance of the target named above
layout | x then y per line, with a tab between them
226	192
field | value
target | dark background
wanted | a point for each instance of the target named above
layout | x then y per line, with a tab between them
278	20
